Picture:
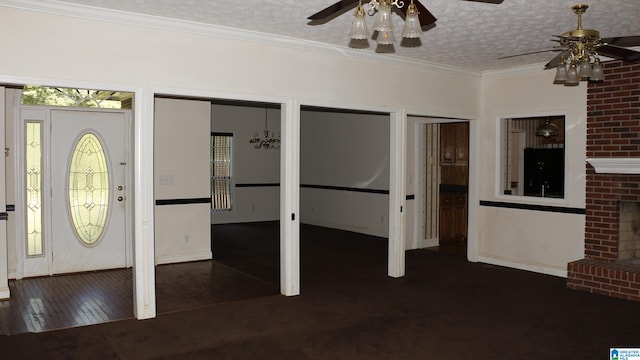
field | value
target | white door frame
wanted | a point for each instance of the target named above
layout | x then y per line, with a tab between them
472	195
43	114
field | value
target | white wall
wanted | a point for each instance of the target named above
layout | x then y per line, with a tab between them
530	239
157	55
350	151
181	158
250	165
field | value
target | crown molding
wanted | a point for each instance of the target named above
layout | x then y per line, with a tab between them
519	70
163	23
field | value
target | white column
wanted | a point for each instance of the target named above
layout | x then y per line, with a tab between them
290	199
144	283
397	203
4	261
472	197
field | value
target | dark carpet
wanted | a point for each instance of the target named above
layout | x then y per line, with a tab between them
445	307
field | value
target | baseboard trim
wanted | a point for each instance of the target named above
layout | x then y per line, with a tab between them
177	258
422	244
521	266
5	293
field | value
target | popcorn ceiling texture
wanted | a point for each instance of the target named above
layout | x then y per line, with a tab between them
469	35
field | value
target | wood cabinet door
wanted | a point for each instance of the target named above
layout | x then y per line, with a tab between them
461	143
453	218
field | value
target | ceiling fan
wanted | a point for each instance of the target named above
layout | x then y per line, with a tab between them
426	18
580	50
417	18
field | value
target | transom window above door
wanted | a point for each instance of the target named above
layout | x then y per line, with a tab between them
74	97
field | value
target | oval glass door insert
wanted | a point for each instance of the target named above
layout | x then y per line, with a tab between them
88	189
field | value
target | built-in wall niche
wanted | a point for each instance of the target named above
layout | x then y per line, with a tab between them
532	156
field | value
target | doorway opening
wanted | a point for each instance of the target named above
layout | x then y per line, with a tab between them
442	186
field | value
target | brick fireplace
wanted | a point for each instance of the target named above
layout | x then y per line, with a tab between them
611	267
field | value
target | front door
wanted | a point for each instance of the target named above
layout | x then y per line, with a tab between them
88	190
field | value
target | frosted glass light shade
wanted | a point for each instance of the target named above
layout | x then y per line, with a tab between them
382	21
597	73
572	76
359	29
584	70
561	74
412	28
385	37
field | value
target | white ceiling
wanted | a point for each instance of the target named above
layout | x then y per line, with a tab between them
469	35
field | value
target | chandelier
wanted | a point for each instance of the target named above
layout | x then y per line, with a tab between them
268	139
383	26
579	60
547	129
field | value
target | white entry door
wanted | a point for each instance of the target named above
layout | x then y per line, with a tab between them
88	190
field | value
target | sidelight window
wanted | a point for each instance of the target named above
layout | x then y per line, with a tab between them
33	176
221	171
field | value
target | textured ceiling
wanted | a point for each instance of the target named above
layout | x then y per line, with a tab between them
469	35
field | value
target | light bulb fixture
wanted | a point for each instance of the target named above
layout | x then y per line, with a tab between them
383	25
268	139
579	60
547	130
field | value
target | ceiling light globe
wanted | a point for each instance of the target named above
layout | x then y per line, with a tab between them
412	28
597	73
572	76
382	21
561	73
547	130
385	38
584	70
359	29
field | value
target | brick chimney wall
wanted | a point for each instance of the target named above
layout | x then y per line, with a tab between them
613	131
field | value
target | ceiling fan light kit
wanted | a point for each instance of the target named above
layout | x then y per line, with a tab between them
415	15
579	58
580	50
383	25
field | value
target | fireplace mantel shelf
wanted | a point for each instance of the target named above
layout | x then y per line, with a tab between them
615	165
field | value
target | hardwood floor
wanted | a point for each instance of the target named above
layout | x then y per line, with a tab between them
62	301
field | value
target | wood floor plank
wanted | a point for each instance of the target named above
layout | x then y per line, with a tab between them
71	300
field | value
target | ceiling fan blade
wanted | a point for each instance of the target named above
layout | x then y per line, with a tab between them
623	41
426	17
332	11
554	62
489	1
619	53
